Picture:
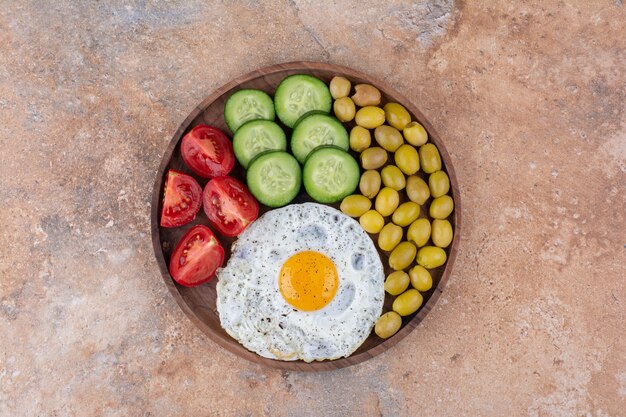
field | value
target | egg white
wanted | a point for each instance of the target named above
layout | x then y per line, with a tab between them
252	309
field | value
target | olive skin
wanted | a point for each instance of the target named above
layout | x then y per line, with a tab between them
366	95
370	117
388	324
369	184
415	134
402	256
397	282
393	178
408	302
389	237
371	221
344	109
387	201
441	233
389	138
439	183
407	159
441	207
419	232
420	278
355	205
406	213
417	190
373	158
431	257
360	139
339	87
430	160
396	115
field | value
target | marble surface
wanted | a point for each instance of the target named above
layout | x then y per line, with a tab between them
530	98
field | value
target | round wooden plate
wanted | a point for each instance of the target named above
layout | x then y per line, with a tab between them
198	303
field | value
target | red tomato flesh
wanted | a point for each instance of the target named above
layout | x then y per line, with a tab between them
182	199
197	257
229	205
207	151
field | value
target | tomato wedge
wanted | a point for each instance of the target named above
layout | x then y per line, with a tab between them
181	200
197	257
229	205
207	151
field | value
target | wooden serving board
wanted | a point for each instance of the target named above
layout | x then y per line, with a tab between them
198	303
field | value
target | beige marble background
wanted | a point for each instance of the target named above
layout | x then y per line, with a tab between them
530	98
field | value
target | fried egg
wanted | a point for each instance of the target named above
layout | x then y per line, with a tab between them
303	282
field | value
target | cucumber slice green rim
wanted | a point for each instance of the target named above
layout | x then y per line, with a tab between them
330	174
307	114
299	94
316	130
274	178
255	137
245	105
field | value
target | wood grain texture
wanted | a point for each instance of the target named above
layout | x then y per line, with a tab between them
198	303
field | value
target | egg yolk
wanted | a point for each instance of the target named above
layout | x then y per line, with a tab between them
308	280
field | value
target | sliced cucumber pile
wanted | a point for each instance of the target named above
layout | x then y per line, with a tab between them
246	105
274	178
319	142
255	137
300	94
330	174
316	130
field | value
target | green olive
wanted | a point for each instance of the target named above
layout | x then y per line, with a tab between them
355	205
373	158
415	134
402	256
396	115
430	160
387	201
407	159
371	221
366	95
389	138
344	109
420	278
370	117
406	213
431	257
339	87
389	237
360	139
393	177
417	190
439	183
397	282
408	302
369	185
442	233
419	232
441	207
388	324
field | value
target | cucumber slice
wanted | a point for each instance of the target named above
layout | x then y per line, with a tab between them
330	174
274	178
246	105
257	136
307	114
299	94
316	130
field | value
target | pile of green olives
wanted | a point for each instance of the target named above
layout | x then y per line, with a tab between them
402	177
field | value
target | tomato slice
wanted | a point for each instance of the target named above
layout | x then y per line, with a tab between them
229	205
207	151
181	200
197	257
